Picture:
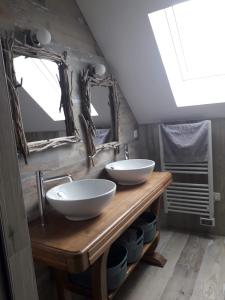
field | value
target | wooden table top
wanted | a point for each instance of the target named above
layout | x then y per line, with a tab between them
74	246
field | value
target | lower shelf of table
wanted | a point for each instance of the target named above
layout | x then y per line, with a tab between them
131	267
87	292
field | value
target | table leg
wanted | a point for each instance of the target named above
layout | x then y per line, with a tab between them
152	257
60	278
155	207
155	259
99	278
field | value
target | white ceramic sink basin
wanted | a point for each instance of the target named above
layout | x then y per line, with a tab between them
131	171
83	199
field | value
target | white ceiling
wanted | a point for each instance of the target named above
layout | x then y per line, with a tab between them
123	32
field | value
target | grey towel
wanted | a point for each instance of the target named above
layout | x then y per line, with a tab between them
185	143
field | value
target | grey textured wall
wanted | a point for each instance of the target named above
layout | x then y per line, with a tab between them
149	140
69	32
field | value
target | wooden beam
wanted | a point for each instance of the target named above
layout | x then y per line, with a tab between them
12	213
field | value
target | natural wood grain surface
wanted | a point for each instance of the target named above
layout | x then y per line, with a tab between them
73	246
181	284
210	283
195	270
99	278
13	222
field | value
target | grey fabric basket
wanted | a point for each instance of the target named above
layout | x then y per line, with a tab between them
116	266
116	269
133	240
147	222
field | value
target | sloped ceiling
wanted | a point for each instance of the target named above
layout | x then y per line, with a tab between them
124	34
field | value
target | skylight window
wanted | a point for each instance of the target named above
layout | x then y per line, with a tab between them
41	83
93	111
191	40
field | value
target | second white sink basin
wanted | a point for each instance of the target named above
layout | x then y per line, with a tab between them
82	199
131	171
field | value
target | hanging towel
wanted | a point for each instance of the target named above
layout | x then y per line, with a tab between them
185	143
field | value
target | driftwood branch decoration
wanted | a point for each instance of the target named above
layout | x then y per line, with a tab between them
66	102
91	151
11	48
7	47
88	79
52	143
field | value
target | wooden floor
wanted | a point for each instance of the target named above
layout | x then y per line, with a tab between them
195	270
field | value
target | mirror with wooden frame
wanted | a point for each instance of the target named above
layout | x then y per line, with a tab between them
99	111
40	97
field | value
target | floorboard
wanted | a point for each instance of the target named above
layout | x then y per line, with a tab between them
210	283
181	284
148	282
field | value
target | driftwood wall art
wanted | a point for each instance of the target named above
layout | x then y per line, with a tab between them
11	48
88	79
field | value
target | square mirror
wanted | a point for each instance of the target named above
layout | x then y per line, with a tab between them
99	111
101	115
40	97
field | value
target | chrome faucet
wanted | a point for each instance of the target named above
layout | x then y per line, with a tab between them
40	180
126	151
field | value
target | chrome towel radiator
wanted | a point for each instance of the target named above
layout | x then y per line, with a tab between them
190	197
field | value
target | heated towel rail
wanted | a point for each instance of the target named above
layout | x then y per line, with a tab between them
190	197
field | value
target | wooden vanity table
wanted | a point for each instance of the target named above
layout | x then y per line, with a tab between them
72	247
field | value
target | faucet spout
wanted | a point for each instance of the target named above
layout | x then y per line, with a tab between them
126	152
40	180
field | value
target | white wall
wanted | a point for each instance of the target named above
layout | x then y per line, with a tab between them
123	31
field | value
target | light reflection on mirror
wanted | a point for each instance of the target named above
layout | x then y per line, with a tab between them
40	97
101	114
93	111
